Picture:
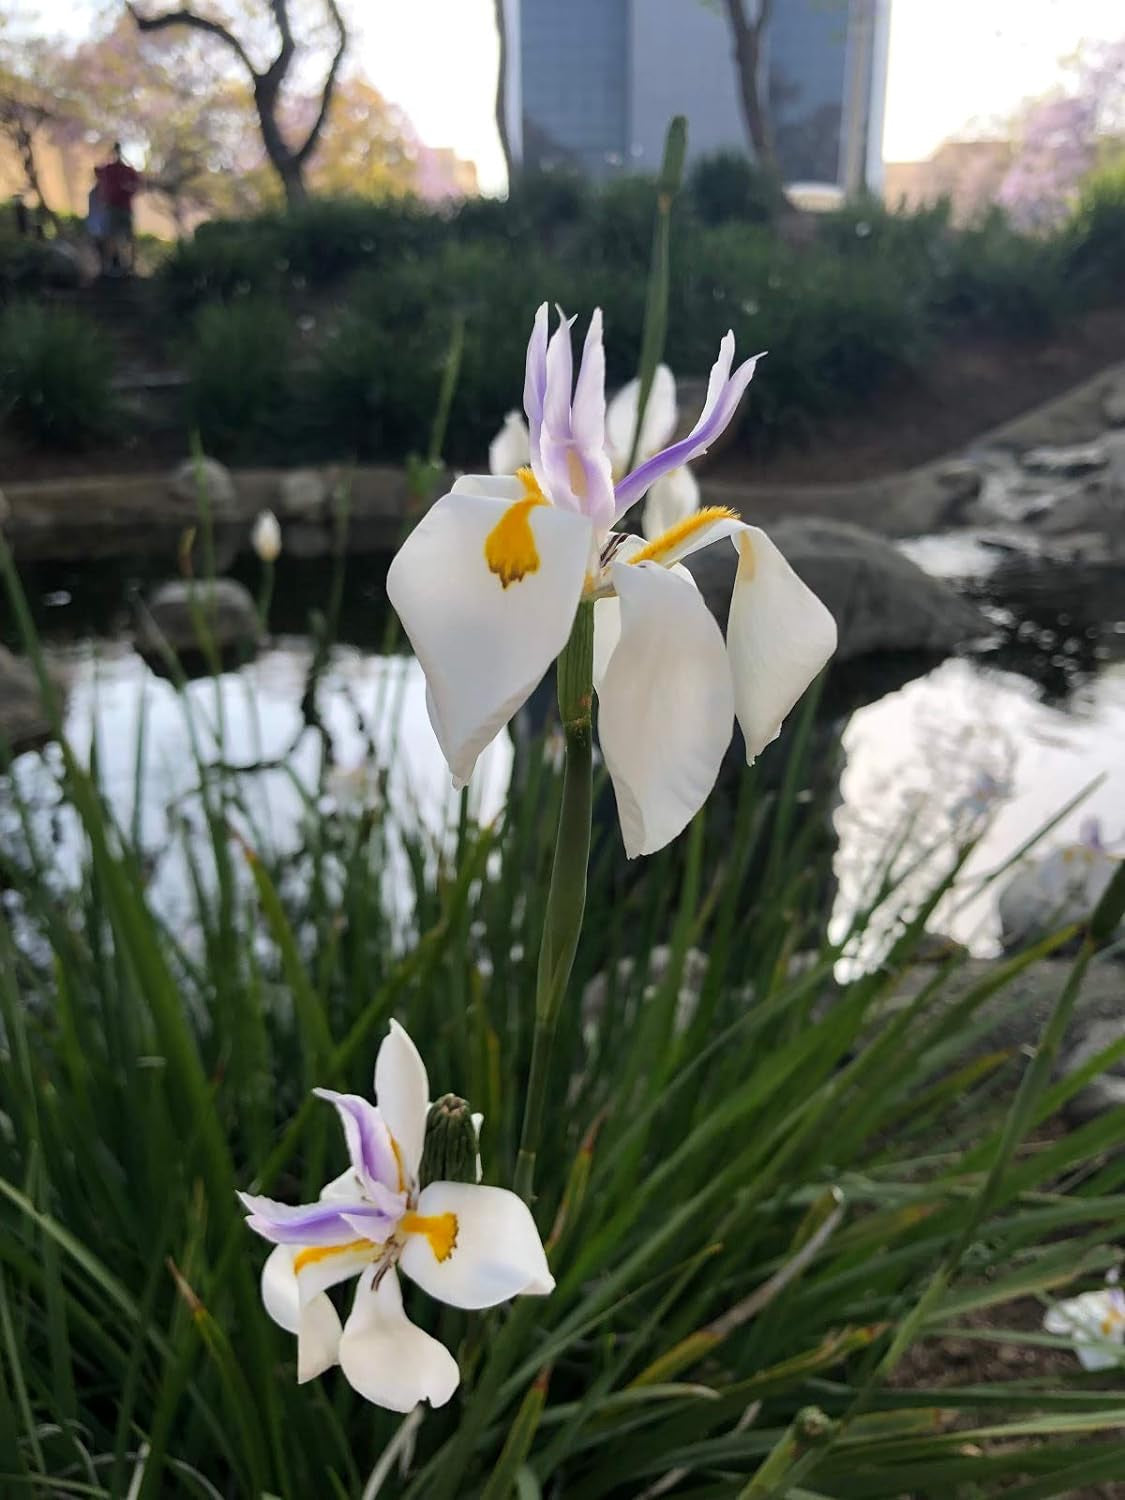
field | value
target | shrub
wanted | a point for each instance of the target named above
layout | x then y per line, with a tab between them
54	376
238	372
727	187
1094	240
997	280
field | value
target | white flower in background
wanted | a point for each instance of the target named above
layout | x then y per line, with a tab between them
673	495
488	584
266	537
1061	888
1095	1322
510	449
467	1245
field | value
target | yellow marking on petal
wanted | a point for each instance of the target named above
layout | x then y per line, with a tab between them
439	1229
747	562
398	1163
509	548
316	1253
659	548
576	474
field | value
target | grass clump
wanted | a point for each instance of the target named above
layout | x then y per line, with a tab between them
54	376
759	1187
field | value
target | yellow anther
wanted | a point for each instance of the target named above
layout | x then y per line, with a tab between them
668	541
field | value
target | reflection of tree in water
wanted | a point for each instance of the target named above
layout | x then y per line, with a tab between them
808	140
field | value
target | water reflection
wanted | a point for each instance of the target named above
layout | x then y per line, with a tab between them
929	756
251	718
920	754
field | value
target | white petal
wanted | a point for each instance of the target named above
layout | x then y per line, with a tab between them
779	636
497	1252
666	705
1095	1321
607	634
510	449
317	1324
659	424
386	1358
484	646
343	1189
319	1267
672	498
403	1091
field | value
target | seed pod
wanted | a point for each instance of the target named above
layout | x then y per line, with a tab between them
450	1150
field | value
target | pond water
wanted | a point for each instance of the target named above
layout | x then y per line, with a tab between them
1022	728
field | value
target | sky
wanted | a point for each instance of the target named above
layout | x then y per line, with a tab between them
952	63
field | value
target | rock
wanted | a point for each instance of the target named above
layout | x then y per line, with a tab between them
937	948
1067	463
24	723
1014	1018
207	474
881	600
227	609
1083	508
960	480
1060	888
1105	1091
1113	404
302	495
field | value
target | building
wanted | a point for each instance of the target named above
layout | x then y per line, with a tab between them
968	173
592	84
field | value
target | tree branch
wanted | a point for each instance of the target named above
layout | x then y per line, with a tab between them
309	146
188	17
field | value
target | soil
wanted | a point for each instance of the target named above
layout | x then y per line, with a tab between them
967	389
934	1363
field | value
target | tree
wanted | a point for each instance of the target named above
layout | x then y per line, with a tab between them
748	30
500	106
28	109
367	147
1062	137
269	79
162	94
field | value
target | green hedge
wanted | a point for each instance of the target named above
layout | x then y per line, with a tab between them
54	376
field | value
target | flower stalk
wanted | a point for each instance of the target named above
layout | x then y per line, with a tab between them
566	897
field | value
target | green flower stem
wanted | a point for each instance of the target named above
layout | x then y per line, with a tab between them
566	899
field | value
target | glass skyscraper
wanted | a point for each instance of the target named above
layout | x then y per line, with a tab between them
592	84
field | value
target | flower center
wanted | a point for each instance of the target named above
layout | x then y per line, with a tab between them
439	1229
509	548
668	541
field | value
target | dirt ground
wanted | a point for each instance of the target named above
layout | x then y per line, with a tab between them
967	1361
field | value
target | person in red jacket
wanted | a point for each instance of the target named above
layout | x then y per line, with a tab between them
118	184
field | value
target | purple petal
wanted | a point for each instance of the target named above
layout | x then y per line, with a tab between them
321	1223
535	380
587	418
723	395
560	378
369	1142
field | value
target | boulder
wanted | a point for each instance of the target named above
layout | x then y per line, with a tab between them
24	723
227	610
1106	1090
1113	404
881	600
302	495
1014	1018
1067	463
208	475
